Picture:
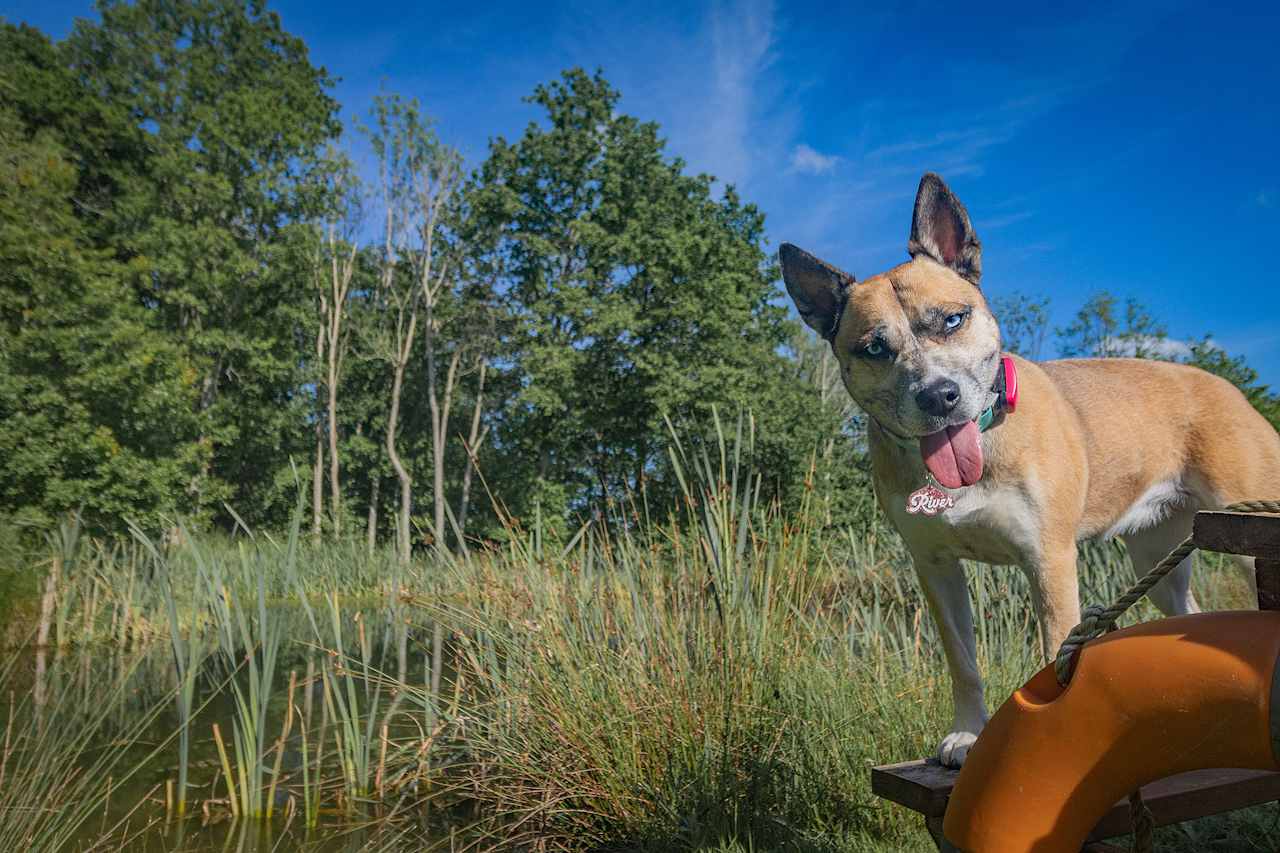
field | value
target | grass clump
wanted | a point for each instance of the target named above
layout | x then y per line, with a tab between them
731	674
722	679
64	755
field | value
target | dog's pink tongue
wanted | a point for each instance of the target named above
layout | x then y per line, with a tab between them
954	455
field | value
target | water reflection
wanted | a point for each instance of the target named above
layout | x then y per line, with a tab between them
347	696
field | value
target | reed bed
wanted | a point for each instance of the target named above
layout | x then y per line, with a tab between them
719	679
67	756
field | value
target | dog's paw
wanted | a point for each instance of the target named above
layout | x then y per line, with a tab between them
955	748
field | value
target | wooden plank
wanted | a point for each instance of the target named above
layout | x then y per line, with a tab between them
924	786
1238	533
1267	573
1199	793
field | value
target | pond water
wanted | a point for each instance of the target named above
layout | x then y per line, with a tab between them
331	736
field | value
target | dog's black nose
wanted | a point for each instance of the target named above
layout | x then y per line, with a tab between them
939	398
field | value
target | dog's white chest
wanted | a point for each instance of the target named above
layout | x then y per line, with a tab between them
993	524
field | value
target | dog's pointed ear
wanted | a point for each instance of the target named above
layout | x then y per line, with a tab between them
818	289
940	229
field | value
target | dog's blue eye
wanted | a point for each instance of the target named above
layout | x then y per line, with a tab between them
874	349
953	322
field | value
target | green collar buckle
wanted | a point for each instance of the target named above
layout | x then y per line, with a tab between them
985	419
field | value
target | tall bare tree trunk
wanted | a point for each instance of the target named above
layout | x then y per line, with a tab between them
402	474
393	421
433	281
317	470
341	270
335	486
208	393
47	602
474	439
439	433
317	483
371	524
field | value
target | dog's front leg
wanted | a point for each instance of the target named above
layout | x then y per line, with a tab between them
1055	592
942	580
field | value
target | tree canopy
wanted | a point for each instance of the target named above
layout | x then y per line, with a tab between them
204	304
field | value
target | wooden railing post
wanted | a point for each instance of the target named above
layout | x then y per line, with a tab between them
1250	534
1267	573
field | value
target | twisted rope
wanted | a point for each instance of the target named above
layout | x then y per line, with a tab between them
1144	824
1095	621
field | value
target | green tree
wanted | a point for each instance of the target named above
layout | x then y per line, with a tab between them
96	408
1024	322
1104	328
98	136
639	294
234	118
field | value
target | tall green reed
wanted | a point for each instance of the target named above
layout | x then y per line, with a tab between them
56	777
726	672
248	640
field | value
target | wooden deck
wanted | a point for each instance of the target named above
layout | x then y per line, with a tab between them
925	786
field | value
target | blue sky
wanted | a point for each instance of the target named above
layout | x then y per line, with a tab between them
1130	148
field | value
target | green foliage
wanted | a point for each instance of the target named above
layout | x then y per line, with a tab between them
1024	322
1103	328
234	118
639	295
95	406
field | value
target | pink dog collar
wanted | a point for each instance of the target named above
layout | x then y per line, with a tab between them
1010	392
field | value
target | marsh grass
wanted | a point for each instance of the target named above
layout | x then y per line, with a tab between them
730	674
718	679
353	702
58	773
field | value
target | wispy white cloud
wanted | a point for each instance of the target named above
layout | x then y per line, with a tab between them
742	36
1022	252
1265	198
709	79
993	223
976	138
958	142
1147	346
808	161
866	202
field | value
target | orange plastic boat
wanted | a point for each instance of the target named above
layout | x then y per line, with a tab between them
1161	698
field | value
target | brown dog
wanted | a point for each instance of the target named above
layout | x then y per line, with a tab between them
1095	447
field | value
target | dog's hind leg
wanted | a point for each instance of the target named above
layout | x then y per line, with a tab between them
1173	595
942	580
